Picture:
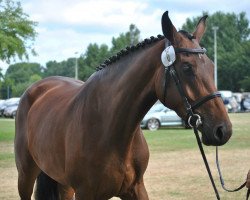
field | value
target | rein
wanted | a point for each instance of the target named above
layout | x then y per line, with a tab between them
193	120
222	180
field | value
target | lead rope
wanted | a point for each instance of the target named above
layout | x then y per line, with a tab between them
222	180
206	163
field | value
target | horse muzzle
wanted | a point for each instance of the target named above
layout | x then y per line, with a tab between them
218	136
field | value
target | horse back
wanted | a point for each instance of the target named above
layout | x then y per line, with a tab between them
60	87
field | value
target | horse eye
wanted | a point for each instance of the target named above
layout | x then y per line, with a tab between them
188	69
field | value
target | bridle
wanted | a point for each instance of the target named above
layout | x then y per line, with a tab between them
193	119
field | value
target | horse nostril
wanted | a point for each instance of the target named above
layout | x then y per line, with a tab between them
219	133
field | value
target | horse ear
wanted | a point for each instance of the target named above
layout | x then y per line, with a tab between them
168	28
200	28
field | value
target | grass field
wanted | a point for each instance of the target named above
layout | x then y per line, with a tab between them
176	169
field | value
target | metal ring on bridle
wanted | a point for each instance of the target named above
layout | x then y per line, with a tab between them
198	121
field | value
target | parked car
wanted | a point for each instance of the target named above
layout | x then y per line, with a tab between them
8	103
230	101
2	106
1	102
10	111
246	104
159	116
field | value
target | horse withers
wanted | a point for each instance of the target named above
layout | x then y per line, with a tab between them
85	138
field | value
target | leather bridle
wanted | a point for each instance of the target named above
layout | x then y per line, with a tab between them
193	119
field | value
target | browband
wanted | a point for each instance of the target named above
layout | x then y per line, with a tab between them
189	50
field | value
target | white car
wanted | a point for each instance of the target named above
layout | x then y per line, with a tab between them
10	111
159	116
247	104
9	103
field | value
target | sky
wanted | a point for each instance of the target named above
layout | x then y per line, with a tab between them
66	27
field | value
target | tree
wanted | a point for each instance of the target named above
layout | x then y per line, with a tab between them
245	83
21	72
96	55
64	68
6	88
19	76
17	32
232	46
1	75
129	38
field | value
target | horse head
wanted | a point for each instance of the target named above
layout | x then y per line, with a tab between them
187	85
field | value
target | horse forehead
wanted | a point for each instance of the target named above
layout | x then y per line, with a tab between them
187	43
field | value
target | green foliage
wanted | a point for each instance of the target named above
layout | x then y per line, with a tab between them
19	76
64	68
245	83
95	54
21	72
233	47
16	31
93	57
1	74
125	39
6	88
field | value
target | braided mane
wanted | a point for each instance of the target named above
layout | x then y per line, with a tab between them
129	49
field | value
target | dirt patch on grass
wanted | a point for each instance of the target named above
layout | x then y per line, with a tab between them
182	175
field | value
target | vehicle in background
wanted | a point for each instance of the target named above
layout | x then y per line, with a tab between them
245	104
9	103
230	101
1	103
159	116
10	111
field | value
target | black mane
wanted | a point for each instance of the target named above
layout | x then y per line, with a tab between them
129	49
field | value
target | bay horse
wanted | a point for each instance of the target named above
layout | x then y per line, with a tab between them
85	138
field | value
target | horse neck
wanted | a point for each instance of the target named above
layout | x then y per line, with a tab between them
126	91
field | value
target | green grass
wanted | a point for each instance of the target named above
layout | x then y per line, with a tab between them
7	129
170	139
7	132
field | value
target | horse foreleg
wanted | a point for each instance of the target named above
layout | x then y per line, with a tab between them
141	192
